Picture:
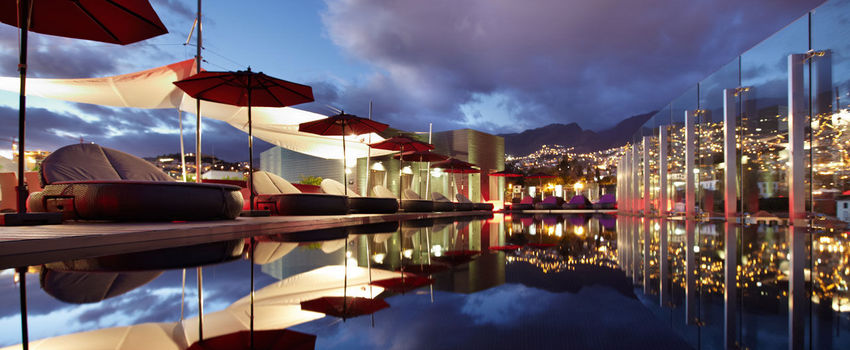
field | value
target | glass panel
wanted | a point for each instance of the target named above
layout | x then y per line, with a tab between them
676	152
710	159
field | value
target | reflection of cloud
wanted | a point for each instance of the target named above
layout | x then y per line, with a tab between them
499	305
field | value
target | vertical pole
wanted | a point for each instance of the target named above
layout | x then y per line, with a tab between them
730	292
200	272
647	203
182	147
344	162
253	245
22	280
428	165
365	192
797	288
198	158
636	258
23	21
663	265
635	181
796	125
662	170
691	316
690	156
626	200
730	113
251	147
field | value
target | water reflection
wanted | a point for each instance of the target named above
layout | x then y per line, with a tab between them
518	280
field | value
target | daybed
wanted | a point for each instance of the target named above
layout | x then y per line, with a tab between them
441	203
475	206
550	202
407	205
527	203
90	182
280	197
411	202
607	201
358	204
578	202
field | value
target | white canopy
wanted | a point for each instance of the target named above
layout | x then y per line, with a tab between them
154	88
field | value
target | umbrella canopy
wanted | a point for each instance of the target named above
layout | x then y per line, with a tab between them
345	307
420	156
269	339
402	143
246	88
454	165
505	173
117	22
336	126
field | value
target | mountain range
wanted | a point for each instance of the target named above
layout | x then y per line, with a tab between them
572	135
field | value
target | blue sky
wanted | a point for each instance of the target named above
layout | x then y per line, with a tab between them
497	66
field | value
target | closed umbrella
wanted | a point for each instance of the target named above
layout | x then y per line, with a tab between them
116	21
338	125
246	88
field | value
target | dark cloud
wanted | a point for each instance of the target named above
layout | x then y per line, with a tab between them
554	61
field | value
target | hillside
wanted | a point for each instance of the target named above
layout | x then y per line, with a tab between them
572	135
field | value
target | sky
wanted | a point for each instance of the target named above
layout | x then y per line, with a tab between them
498	66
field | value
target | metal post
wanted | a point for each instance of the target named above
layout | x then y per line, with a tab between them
647	203
198	158
22	191
730	292
22	280
690	156
730	112
796	125
647	238
200	272
662	170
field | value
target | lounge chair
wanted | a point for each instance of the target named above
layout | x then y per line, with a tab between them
578	202
527	203
476	206
277	195
90	182
607	201
411	202
441	203
550	202
406	205
358	204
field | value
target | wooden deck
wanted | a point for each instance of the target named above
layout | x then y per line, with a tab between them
32	245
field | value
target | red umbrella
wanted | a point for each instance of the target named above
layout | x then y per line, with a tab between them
269	339
402	143
116	22
456	166
505	247
420	156
336	126
345	307
540	176
505	173
246	88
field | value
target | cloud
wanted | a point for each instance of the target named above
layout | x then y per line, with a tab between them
555	61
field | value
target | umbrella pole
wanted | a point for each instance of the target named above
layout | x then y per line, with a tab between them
182	147
22	275
182	294
198	158
200	303
369	268
368	155
344	161
428	166
23	18
345	280
400	165
250	153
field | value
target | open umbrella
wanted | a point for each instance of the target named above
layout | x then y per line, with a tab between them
456	166
540	177
418	156
246	88
505	174
402	143
336	125
117	21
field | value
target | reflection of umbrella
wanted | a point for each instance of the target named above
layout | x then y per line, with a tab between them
402	144
336	126
246	88
117	22
403	284
457	257
270	339
345	307
505	247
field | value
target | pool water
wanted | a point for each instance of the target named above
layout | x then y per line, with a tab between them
506	281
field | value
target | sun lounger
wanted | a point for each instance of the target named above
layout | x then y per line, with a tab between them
550	202
527	203
441	203
411	202
578	202
406	205
607	201
476	206
359	204
277	195
90	182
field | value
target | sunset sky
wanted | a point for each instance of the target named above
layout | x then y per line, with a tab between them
494	65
